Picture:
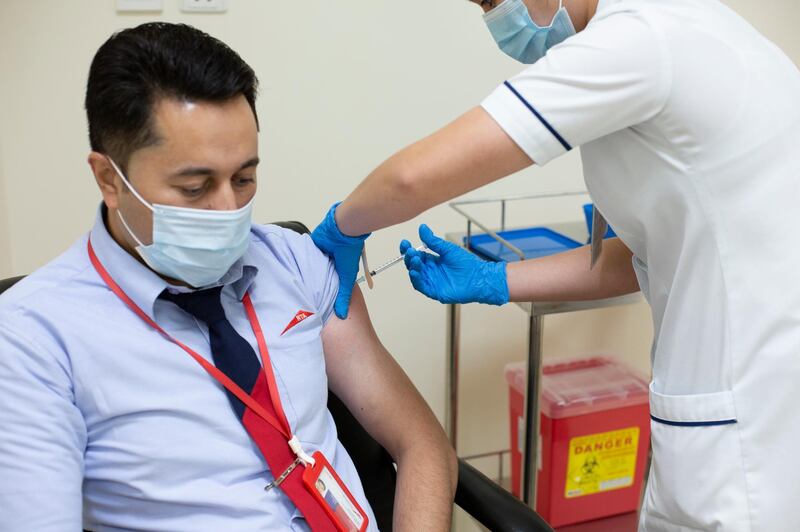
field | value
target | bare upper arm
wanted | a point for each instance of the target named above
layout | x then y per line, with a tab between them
372	385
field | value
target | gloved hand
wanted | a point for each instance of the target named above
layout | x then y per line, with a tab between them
456	275
345	252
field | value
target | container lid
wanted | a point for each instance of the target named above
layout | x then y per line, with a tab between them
583	386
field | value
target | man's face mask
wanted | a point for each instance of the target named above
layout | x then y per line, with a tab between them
196	246
519	37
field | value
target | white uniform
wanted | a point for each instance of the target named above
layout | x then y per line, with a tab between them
689	125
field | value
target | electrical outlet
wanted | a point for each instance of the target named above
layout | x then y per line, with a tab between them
207	6
133	6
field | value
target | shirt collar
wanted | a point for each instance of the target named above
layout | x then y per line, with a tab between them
605	4
141	283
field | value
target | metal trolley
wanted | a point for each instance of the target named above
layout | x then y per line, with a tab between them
536	312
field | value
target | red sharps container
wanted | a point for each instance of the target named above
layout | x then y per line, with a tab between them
594	438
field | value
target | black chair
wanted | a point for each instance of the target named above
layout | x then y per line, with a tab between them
5	284
480	497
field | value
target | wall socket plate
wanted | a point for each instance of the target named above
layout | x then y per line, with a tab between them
133	6
205	6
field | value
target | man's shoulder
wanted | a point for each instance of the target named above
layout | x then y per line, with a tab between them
288	246
57	287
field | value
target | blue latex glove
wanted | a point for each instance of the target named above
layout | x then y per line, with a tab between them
456	275
345	252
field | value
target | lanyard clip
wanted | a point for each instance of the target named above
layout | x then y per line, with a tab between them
302	458
297	449
277	482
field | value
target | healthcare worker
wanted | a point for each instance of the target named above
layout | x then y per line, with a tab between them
689	125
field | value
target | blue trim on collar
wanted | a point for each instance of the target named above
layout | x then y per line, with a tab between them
544	122
693	423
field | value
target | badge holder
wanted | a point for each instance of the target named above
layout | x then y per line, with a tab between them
321	480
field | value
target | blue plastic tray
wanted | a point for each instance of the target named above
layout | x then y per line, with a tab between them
533	241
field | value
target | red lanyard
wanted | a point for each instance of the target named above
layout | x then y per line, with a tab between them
283	425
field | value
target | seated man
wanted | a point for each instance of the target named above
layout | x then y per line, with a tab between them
113	415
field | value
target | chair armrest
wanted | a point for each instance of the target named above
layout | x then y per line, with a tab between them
492	506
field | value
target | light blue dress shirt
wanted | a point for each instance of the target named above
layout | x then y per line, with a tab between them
106	424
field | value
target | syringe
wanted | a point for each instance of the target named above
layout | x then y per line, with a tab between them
387	265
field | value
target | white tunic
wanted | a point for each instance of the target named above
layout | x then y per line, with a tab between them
689	126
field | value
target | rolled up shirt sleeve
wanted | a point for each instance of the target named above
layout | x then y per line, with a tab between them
322	278
42	439
611	76
317	271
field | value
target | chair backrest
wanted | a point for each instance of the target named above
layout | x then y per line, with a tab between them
374	465
5	284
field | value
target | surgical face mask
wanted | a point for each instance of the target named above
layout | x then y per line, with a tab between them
519	37
196	246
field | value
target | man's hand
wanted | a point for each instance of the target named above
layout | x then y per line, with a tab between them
345	252
455	275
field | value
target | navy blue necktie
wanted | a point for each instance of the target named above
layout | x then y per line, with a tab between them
232	354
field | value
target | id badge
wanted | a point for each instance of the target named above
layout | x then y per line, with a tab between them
336	500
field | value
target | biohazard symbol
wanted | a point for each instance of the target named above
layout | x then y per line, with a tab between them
590	465
601	462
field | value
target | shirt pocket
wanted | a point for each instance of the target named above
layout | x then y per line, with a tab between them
303	330
300	368
697	477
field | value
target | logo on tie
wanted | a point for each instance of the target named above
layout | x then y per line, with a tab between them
300	316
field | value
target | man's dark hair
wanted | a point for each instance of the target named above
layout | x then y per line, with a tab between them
137	67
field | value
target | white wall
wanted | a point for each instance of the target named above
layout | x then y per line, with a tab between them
5	248
343	86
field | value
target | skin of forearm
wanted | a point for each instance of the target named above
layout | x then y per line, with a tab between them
427	474
470	152
567	276
397	197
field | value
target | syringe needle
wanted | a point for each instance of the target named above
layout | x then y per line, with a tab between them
387	265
